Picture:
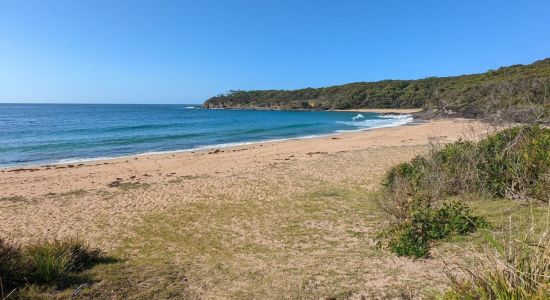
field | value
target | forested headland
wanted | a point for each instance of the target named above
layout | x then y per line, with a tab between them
517	89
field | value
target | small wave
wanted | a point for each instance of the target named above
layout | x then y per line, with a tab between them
392	116
381	122
358	116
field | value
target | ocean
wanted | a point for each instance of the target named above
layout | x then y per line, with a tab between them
33	134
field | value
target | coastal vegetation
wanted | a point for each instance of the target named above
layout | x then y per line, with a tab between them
518	90
25	272
515	266
423	197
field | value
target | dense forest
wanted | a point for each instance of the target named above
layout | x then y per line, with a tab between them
520	87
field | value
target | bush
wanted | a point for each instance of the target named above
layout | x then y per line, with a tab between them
512	163
515	162
452	218
412	238
47	262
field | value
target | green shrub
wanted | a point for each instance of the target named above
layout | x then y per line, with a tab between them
516	161
453	218
410	172
412	238
512	163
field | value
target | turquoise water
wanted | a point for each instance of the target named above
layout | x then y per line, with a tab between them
52	133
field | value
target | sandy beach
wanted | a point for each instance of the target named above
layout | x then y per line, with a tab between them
30	209
114	203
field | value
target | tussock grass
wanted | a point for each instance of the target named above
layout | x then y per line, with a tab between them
53	260
23	270
514	266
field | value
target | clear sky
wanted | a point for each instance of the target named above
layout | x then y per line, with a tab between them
115	51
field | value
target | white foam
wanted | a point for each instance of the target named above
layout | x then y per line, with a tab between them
384	121
358	116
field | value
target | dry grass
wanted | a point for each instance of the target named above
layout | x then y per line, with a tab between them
317	244
513	264
13	199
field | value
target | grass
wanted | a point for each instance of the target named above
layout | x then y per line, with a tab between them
44	265
238	247
13	199
316	244
514	263
126	186
73	193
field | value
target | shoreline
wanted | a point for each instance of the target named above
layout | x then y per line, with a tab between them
13	181
79	161
397	111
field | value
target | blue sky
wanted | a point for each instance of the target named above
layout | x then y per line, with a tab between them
95	51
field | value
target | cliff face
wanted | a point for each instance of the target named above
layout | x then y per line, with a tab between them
466	95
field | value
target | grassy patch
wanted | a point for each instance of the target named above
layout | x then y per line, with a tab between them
13	199
309	245
73	193
514	264
126	186
32	269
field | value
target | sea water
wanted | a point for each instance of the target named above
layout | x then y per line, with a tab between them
32	134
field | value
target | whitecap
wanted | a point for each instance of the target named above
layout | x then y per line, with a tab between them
358	116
